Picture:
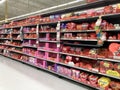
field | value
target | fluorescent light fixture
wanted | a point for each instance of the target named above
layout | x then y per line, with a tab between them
1	1
43	10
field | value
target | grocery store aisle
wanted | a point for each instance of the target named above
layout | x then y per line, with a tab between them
18	76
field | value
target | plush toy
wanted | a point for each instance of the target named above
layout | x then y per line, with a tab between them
75	74
100	36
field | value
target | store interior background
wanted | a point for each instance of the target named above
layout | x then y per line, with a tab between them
21	7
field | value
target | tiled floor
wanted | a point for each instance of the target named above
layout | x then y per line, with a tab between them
17	76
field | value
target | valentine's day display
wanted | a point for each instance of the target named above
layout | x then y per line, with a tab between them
81	45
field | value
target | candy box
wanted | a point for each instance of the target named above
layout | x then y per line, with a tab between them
117	67
67	72
72	50
66	49
83	77
115	85
113	73
117	9
104	82
78	51
93	80
71	26
91	13
85	26
105	66
79	26
75	74
108	9
99	12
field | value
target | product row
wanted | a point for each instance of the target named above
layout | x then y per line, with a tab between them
80	76
74	15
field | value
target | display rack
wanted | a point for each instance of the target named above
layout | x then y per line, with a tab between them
51	46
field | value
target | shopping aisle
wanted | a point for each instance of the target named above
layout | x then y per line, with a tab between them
18	76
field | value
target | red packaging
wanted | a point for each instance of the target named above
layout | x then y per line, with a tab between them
115	85
117	67
83	77
79	27
85	26
93	80
91	13
108	9
105	66
66	49
83	15
89	1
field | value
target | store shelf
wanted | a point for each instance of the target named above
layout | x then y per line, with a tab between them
16	27
4	38
29	46
83	45
29	55
16	33
79	56
41	58
48	51
69	78
4	33
79	68
108	16
89	43
30	25
48	23
17	39
29	33
107	59
94	72
13	45
51	61
6	28
48	32
113	40
76	68
76	31
16	51
84	6
82	31
30	38
49	41
118	78
67	39
112	30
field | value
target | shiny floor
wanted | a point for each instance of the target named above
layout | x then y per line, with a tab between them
17	76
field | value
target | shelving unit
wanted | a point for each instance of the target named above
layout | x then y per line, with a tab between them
45	45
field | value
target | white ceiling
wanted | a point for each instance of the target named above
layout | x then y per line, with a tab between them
20	7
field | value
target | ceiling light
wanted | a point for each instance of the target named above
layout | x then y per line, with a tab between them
1	1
